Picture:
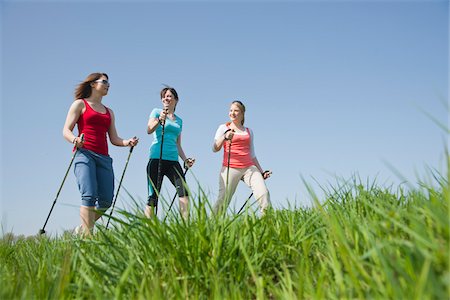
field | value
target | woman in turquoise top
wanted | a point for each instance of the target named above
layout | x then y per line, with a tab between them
171	149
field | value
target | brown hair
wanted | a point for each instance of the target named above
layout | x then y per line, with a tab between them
241	108
84	89
173	91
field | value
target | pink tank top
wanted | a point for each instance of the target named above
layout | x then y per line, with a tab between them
94	125
240	151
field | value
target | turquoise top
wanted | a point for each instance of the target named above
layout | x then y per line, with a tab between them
172	130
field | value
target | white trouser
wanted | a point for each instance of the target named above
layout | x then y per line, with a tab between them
251	176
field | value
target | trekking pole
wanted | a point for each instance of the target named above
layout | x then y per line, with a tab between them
120	184
159	180
246	201
174	196
228	165
75	149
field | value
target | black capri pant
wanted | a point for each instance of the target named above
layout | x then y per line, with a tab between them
169	168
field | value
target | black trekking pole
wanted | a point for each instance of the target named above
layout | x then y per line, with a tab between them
246	201
174	196
120	184
229	155
42	231
228	165
159	180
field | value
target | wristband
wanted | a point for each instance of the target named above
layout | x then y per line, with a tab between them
74	140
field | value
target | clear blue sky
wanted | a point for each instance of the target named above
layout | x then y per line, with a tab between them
332	89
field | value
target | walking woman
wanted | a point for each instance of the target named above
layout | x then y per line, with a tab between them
166	121
239	160
93	165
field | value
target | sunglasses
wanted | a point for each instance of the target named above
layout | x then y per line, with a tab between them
105	82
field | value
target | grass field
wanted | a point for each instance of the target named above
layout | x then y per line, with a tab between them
363	241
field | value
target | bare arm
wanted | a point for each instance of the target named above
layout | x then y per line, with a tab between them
188	161
153	123
266	174
218	143
180	149
114	137
256	162
73	115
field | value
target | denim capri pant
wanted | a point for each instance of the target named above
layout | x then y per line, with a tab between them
95	178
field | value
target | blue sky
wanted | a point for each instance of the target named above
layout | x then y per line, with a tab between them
332	89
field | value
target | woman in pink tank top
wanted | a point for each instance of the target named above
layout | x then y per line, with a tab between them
239	160
92	163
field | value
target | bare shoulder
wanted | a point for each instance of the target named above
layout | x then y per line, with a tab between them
78	104
110	111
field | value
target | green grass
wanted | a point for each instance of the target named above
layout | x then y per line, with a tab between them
362	241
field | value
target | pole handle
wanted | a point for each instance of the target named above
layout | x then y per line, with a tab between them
75	148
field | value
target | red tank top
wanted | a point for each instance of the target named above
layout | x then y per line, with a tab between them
240	151
94	125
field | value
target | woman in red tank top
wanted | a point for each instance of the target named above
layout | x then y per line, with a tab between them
93	165
239	161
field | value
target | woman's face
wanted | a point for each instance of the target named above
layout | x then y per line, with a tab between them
235	114
169	100
101	85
